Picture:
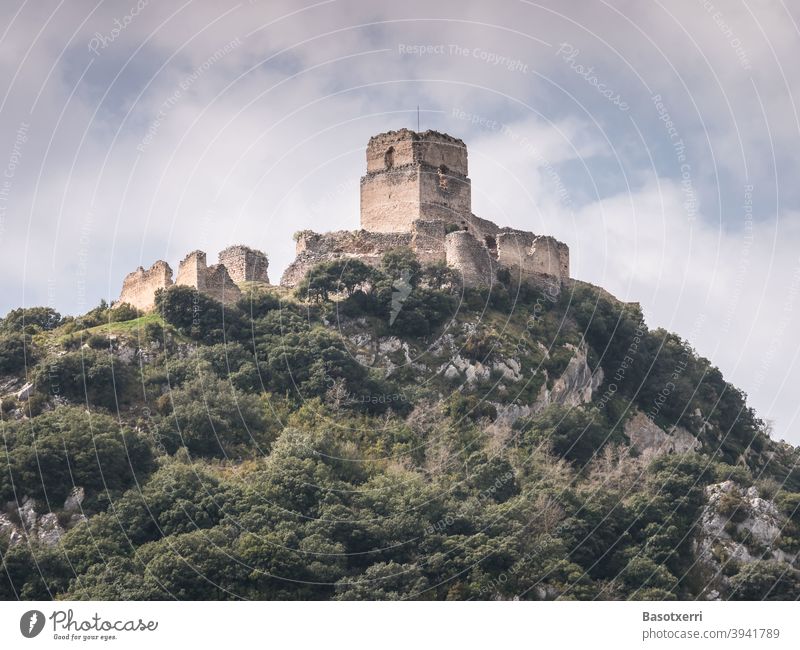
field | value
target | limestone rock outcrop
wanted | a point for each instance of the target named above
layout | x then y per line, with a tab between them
47	528
648	439
737	526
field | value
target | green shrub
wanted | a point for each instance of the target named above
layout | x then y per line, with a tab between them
460	406
198	316
123	312
98	378
13	350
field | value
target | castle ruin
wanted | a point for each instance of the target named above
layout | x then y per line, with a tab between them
417	193
245	264
139	288
237	264
214	281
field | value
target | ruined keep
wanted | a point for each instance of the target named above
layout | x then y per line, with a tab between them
217	281
414	176
416	193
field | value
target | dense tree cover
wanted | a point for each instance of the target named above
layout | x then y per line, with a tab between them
401	295
247	451
46	456
86	376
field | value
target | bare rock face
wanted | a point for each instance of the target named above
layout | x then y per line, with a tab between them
46	528
737	525
25	391
74	500
7	527
575	386
649	439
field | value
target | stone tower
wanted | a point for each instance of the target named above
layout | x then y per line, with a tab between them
414	176
245	264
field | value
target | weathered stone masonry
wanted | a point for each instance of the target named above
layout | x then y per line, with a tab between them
139	288
237	264
245	264
416	193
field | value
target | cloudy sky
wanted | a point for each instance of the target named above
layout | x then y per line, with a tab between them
658	139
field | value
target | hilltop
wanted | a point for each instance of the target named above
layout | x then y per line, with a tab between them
381	431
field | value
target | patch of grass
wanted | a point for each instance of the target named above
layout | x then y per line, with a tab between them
125	327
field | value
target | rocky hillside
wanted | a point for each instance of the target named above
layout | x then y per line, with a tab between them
383	434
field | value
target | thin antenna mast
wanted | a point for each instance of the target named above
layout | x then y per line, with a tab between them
417	118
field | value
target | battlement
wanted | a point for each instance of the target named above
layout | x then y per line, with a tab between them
396	149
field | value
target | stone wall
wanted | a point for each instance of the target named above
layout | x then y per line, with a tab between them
218	285
471	258
139	288
191	270
313	248
444	195
213	281
245	264
390	201
532	255
477	249
427	241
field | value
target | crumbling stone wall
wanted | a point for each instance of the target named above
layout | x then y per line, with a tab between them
444	194
213	280
395	149
218	285
191	270
245	264
471	258
313	248
427	241
139	287
532	255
